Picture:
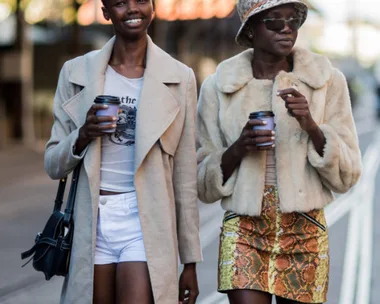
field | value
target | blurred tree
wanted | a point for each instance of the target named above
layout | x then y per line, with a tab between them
25	48
75	47
18	82
20	26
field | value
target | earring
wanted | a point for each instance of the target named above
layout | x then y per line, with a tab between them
250	35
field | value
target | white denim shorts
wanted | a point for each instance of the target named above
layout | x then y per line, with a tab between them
119	236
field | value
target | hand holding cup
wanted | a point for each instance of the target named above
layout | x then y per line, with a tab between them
257	135
111	111
101	119
95	126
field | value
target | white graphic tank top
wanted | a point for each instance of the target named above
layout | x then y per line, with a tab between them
117	169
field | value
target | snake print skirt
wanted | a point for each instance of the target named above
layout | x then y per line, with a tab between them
282	254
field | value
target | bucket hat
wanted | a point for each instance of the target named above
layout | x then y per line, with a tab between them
248	8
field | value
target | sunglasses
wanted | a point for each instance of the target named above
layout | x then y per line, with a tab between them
277	25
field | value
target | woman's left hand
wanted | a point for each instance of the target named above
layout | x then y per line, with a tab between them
188	285
298	107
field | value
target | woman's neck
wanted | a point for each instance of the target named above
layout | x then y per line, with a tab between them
129	53
267	66
129	57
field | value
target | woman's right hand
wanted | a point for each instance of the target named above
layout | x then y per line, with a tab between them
249	138
92	129
246	142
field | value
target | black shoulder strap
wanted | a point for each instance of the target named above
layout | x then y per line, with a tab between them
71	199
59	198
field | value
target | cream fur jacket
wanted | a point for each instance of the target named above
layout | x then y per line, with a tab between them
305	180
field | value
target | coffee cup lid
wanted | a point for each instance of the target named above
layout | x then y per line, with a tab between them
101	99
261	114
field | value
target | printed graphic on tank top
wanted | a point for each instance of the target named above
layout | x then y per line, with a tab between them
118	149
126	123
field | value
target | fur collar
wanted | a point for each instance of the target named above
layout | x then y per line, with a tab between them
310	68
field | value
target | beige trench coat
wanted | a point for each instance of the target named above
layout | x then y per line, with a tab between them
165	168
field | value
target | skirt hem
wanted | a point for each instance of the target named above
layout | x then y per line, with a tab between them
225	291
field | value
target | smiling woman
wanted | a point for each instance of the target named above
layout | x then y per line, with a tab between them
138	207
130	18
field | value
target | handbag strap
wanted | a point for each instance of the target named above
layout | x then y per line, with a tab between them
71	198
59	198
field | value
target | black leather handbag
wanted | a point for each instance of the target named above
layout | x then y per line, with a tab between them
52	248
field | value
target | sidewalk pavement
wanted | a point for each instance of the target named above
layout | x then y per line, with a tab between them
41	292
26	200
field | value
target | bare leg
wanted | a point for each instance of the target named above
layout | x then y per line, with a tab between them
280	300
249	297
133	283
104	284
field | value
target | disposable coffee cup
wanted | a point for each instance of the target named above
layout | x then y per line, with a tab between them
267	116
113	104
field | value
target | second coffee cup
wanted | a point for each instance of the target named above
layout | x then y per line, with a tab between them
113	104
267	116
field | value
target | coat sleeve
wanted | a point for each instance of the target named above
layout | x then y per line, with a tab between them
211	145
340	166
59	157
184	181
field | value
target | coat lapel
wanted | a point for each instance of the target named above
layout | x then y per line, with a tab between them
158	107
89	72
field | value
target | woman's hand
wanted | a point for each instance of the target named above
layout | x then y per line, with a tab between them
247	141
249	138
188	285
298	107
92	129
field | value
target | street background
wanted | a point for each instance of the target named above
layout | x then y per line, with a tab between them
37	36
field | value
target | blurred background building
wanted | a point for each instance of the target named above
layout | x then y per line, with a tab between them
37	36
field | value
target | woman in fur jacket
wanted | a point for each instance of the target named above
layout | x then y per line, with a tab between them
274	239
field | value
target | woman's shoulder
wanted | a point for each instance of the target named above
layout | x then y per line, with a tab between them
170	59
243	57
167	61
230	76
316	70
233	73
80	59
77	62
311	68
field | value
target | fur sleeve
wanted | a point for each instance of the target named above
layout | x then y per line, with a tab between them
340	166
210	147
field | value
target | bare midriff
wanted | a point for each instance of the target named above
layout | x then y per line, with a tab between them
103	192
